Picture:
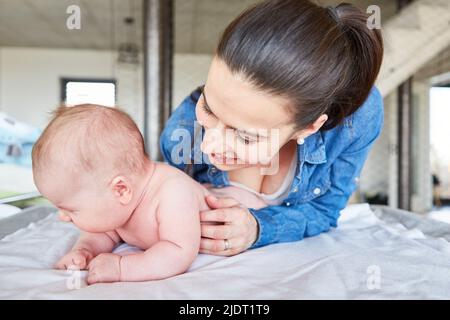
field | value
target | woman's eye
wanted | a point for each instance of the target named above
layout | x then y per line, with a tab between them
206	109
245	139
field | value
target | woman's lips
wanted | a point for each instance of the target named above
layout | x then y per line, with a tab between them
217	158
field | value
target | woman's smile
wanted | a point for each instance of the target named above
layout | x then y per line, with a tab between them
222	159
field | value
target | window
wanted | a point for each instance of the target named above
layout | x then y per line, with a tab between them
439	133
78	91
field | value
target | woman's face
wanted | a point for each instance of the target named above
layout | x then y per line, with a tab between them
243	125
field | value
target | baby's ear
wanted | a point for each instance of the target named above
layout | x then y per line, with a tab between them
121	188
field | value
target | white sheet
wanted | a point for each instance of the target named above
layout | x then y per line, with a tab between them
344	263
7	210
16	179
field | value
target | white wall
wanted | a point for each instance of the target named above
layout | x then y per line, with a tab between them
380	173
30	80
374	176
190	71
422	198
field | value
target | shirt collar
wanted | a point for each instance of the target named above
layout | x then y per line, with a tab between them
313	150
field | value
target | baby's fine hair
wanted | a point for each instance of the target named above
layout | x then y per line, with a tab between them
91	137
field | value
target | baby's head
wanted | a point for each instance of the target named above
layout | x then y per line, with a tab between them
90	162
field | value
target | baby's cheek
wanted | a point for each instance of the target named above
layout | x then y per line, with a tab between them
89	223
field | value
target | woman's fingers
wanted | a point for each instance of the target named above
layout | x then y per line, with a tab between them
219	215
236	225
219	231
216	203
217	247
212	245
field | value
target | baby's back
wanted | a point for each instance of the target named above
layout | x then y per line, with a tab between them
172	191
244	197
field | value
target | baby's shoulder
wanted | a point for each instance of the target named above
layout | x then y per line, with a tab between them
177	182
178	192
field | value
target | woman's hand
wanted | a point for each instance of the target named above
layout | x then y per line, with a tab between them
234	226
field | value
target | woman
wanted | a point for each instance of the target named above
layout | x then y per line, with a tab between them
305	72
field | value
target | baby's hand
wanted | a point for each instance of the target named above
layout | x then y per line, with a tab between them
78	258
104	268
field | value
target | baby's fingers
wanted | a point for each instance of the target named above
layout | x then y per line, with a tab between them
60	265
73	260
79	261
92	278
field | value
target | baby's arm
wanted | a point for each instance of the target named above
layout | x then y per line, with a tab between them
179	236
88	246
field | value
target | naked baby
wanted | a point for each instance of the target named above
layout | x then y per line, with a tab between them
90	162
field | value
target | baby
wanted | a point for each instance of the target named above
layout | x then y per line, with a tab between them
90	162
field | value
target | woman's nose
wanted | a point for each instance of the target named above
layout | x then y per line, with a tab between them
215	142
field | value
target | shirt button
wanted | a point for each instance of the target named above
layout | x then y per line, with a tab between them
295	189
288	204
213	170
316	191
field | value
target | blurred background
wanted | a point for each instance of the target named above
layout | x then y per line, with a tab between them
147	55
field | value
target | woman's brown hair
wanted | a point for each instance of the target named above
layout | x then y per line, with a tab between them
324	60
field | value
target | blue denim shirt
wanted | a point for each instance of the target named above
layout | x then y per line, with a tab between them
327	173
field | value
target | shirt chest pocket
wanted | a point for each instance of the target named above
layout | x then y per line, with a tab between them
315	186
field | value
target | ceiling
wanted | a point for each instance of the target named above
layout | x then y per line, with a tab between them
42	23
198	23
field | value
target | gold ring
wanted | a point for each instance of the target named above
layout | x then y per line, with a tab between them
227	244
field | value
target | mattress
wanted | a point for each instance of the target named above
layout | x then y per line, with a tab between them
375	253
15	179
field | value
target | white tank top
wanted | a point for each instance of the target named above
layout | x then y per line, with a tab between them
281	194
